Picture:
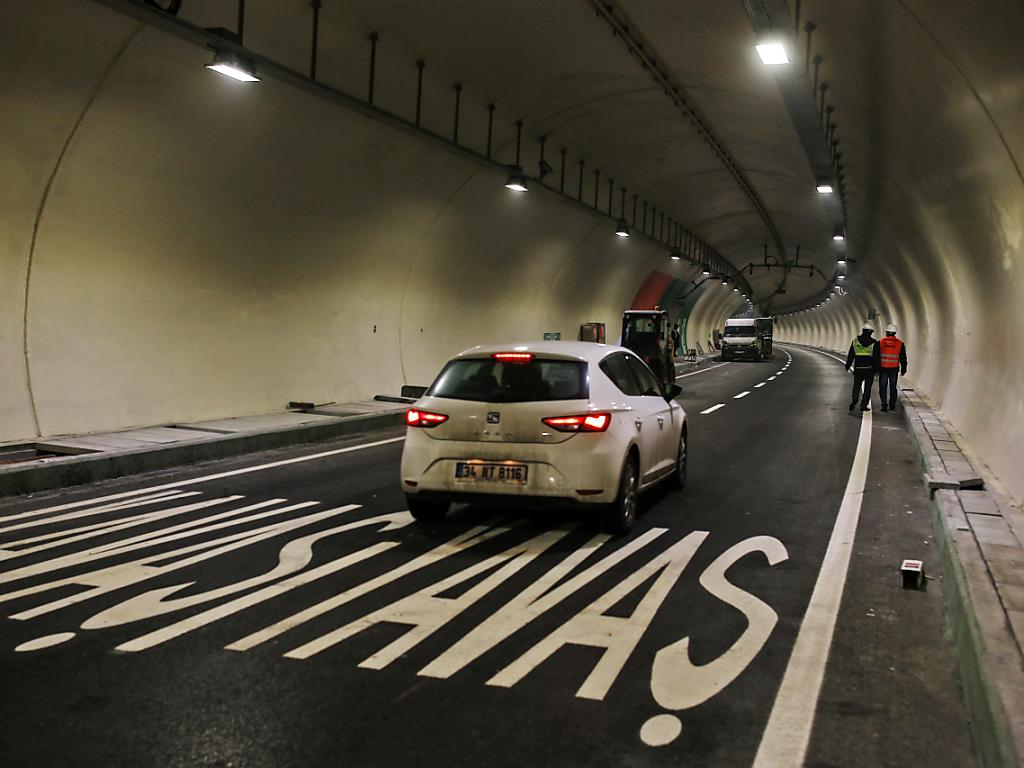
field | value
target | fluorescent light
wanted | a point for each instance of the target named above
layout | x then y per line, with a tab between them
676	254
824	189
233	72
772	53
517	183
234	67
706	272
842	277
841	261
623	231
839	237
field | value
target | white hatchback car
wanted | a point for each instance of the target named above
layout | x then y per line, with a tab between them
547	421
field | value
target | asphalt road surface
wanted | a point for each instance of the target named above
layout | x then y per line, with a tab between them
283	609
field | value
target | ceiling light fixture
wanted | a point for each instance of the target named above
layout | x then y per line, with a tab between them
772	52
838	234
516	178
622	230
234	66
824	188
517	181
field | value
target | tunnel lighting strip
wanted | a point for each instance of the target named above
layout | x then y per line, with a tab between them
641	49
155	17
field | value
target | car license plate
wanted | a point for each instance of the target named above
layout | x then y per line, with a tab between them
472	471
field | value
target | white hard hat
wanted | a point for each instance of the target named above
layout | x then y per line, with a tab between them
890	328
867	327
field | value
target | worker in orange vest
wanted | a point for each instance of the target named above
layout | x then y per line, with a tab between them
893	363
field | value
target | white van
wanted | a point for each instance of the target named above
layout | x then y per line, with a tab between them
740	340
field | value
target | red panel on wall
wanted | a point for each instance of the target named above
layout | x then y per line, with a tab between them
651	292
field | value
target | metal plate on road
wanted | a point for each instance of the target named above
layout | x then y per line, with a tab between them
506	472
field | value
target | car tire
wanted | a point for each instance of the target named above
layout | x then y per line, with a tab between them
621	513
677	480
426	509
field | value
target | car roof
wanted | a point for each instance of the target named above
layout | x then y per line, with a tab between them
565	350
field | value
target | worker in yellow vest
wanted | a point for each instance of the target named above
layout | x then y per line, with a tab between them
892	364
864	357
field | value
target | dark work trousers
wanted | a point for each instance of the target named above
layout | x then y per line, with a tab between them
887	386
862	378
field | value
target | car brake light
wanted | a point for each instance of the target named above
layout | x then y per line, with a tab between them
418	418
586	422
513	357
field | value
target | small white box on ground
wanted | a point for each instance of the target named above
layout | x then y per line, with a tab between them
913	574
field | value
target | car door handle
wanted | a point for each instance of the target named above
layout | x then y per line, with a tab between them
639	424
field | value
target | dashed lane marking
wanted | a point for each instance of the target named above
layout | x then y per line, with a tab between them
741	394
771	378
713	408
758	386
702	370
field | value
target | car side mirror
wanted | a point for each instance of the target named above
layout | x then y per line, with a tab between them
672	391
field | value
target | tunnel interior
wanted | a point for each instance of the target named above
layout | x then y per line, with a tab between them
179	246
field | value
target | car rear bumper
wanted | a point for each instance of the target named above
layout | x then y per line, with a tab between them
744	353
554	471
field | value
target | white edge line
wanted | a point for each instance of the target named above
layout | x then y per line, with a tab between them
702	370
218	475
785	738
713	408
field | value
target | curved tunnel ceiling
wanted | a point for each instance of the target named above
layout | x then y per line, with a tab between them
926	98
559	67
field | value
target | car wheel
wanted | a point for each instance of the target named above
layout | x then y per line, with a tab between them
677	480
426	509
621	513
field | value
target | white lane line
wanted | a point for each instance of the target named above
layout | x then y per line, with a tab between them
702	370
785	738
758	386
741	394
207	478
713	408
771	378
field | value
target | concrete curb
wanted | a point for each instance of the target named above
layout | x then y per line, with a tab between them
989	656
48	474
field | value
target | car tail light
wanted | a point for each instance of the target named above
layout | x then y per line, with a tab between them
513	357
418	418
585	422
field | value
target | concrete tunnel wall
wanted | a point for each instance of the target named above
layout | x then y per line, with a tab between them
200	249
930	105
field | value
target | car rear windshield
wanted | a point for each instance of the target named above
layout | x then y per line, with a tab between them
739	330
494	381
